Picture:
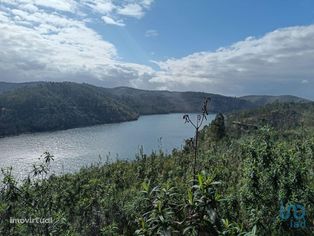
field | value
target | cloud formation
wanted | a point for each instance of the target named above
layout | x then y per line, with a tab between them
279	62
110	21
39	41
151	33
114	12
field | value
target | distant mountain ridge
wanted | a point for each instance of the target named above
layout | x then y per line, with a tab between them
46	106
5	86
156	102
261	100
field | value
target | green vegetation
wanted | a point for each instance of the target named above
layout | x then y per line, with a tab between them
43	106
152	102
280	116
264	100
53	106
5	86
243	175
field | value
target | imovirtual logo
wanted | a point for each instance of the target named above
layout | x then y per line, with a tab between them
295	213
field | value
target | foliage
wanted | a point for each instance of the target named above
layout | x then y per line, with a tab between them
54	106
217	127
240	185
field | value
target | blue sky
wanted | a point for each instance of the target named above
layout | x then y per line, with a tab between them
186	27
220	46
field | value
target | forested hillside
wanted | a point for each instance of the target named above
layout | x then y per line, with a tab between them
151	102
5	86
46	106
245	180
278	115
263	99
54	106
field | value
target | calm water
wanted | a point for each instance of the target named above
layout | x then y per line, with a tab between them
79	147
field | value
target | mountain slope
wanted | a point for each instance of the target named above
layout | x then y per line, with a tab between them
6	87
45	106
261	100
152	102
55	106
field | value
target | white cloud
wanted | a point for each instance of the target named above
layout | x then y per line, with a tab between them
135	9
50	45
146	3
111	21
64	5
276	62
29	7
113	12
101	6
132	10
151	33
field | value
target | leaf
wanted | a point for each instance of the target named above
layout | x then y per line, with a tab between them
200	180
187	229
190	197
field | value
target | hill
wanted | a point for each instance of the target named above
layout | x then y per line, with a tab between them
5	86
46	106
277	115
262	100
55	106
152	102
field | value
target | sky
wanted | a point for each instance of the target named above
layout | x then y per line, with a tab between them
234	48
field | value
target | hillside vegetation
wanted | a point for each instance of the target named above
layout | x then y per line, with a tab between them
53	106
47	106
151	102
263	99
244	178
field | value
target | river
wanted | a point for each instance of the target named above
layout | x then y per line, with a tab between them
75	148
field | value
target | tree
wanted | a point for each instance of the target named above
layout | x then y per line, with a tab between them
217	127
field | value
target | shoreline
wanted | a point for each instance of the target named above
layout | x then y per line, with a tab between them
84	126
